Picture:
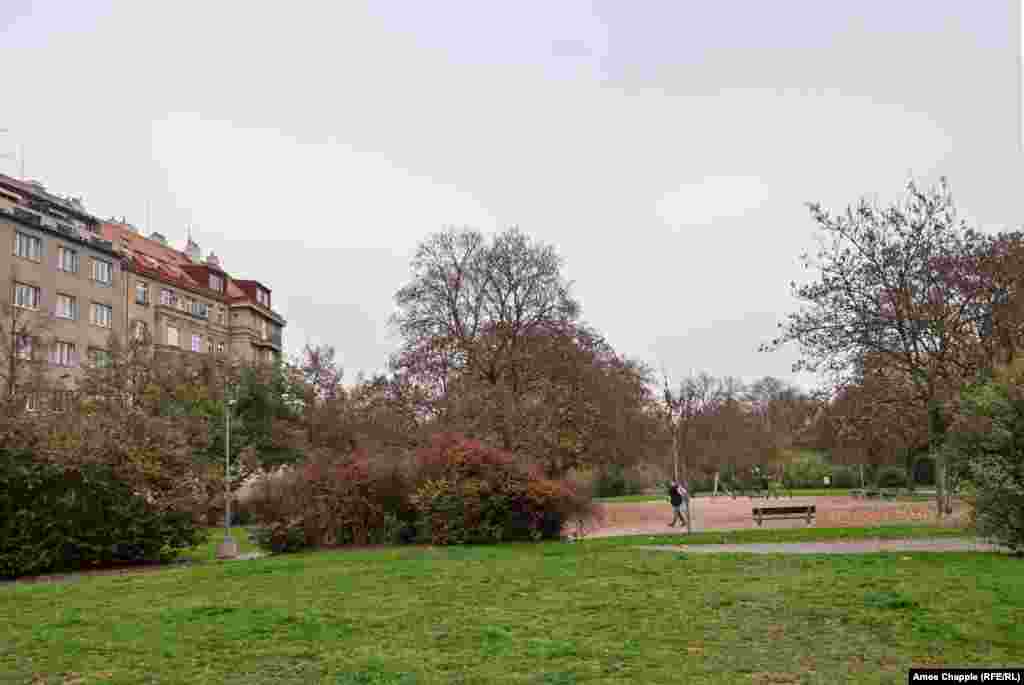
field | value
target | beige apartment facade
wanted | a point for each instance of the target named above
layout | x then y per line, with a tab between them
79	279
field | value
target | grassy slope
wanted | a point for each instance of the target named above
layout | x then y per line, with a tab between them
598	611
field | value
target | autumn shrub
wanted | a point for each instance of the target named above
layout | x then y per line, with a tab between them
468	492
54	518
332	500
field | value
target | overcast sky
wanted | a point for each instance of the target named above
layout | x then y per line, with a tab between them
666	148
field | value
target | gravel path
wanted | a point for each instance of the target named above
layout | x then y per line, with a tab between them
857	547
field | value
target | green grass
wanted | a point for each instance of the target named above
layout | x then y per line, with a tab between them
599	611
756	535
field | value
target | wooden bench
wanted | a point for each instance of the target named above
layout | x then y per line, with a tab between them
768	513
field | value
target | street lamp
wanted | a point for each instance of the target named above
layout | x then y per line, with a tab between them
228	548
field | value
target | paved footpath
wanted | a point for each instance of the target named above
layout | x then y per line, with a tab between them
856	547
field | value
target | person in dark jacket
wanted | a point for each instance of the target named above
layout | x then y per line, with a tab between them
675	496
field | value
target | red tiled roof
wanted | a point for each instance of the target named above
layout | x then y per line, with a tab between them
152	258
161	262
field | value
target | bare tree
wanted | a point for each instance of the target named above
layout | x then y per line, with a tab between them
898	285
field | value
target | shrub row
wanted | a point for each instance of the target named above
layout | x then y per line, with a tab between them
455	491
54	519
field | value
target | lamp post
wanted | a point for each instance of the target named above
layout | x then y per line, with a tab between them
228	548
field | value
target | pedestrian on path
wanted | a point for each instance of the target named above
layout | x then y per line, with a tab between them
676	497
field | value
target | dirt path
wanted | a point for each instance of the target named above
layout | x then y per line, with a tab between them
725	513
857	547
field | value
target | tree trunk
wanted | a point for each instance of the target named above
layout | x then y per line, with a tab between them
936	430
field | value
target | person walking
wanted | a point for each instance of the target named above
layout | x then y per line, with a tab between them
675	496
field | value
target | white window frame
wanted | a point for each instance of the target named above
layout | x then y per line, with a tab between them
63	252
35	298
65	353
220	348
28	246
177	336
141	287
101	267
99	358
72	312
101	321
216	283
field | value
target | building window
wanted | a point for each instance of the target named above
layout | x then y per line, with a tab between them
172	336
64	354
23	346
102	272
201	309
220	314
216	283
197	343
62	400
220	348
139	330
168	297
26	296
67	259
99	358
31	402
141	293
186	304
28	246
102	314
263	297
264	332
67	307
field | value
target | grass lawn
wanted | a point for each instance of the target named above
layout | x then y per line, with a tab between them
599	611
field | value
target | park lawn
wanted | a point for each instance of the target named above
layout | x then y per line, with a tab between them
596	612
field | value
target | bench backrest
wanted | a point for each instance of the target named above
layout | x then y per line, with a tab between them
807	509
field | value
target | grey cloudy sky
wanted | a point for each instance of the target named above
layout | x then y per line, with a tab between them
665	148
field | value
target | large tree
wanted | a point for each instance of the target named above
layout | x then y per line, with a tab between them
492	342
896	286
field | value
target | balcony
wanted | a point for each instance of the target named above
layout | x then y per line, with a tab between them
272	340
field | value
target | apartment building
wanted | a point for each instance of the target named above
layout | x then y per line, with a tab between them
81	279
187	302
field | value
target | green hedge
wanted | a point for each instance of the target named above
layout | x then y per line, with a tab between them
54	519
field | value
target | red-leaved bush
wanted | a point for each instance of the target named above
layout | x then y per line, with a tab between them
467	491
453	491
332	501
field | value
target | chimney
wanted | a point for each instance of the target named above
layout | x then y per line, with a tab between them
193	252
212	260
